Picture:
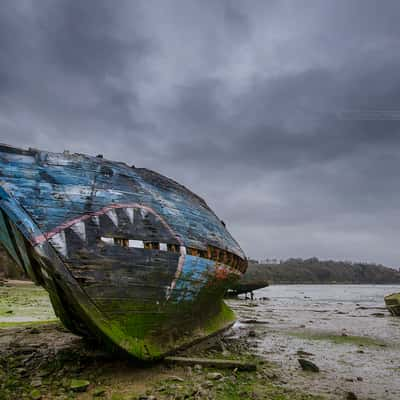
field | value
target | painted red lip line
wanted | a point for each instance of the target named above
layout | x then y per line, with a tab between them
42	238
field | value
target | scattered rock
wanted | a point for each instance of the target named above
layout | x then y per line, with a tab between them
351	396
98	392
22	371
79	385
253	321
36	382
214	376
302	353
207	385
35	394
272	376
307	365
34	331
197	368
378	314
252	333
359	379
176	378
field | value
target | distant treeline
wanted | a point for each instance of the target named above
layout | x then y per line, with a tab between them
313	270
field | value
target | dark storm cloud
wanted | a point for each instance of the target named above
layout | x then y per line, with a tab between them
285	117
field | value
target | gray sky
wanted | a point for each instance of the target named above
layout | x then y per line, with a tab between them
283	115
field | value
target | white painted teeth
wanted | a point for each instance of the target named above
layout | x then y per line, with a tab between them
59	242
129	213
136	243
80	229
113	216
143	213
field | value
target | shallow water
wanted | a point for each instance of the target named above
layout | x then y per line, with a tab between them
346	328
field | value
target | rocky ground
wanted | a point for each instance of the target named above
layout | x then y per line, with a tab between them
306	345
45	361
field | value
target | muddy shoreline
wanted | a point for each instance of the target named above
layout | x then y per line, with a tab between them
42	360
46	361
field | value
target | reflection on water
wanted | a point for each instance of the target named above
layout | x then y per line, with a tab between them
346	328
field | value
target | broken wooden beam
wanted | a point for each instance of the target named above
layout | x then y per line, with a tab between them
215	363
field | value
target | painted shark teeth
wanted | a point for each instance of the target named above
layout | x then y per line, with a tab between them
143	213
129	213
96	220
60	243
90	229
80	229
113	216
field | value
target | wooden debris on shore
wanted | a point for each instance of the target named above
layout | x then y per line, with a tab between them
393	303
216	363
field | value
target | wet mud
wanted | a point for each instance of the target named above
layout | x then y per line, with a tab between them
41	360
344	329
347	334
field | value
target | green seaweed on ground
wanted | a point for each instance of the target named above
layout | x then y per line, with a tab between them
15	324
25	302
230	386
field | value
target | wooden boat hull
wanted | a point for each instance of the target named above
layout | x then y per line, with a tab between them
127	255
392	302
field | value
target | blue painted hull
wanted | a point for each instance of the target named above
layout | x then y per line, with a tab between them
127	255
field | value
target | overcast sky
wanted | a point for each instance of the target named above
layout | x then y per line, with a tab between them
283	115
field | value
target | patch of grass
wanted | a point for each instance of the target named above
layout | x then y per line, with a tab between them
339	339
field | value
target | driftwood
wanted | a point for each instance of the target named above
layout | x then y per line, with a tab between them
209	362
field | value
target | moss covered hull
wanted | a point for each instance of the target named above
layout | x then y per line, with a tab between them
392	302
127	255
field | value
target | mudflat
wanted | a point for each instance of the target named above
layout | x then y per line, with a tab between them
343	330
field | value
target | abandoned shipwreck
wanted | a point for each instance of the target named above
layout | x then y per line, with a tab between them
127	255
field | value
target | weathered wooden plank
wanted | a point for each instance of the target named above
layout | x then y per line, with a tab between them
213	363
